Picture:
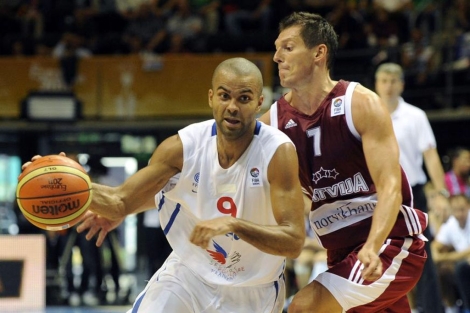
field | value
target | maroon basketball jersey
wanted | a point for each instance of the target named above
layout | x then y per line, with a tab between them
334	173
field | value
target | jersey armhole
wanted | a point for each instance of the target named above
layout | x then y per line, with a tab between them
348	109
273	115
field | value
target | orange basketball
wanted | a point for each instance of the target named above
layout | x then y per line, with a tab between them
54	192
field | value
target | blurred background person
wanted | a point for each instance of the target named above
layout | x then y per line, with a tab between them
458	177
185	29
451	249
209	11
145	32
417	143
244	15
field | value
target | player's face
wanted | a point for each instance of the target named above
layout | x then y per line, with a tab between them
235	100
388	86
295	61
462	163
460	209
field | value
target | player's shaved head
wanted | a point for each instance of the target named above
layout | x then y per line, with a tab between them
240	67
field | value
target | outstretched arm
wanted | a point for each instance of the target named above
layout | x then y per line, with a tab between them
381	151
134	194
101	226
287	237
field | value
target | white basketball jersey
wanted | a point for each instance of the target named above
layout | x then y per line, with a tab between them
205	191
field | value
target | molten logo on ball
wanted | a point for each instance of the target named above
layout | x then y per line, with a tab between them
57	209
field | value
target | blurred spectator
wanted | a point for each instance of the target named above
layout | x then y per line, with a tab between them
322	7
349	24
310	262
451	249
417	59
163	8
400	12
71	44
110	251
184	29
69	50
458	177
382	33
428	19
57	15
107	17
145	32
209	11
241	15
10	26
457	54
100	22
282	8
130	8
31	17
462	15
8	22
438	212
84	274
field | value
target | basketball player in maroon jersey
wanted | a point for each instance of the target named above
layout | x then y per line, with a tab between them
349	167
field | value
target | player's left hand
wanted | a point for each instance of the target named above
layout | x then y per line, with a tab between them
204	231
97	224
372	264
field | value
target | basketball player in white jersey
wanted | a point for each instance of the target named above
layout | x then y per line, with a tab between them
235	213
361	202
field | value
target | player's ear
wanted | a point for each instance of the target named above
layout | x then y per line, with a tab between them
210	96
320	52
260	103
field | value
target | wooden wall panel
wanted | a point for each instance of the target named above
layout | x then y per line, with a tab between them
123	86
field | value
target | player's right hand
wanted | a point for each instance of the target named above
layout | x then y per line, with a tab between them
34	158
97	224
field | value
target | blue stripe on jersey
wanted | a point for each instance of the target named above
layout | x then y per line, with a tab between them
172	219
162	201
214	130
257	127
136	306
276	285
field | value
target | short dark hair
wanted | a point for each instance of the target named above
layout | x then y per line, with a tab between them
458	151
315	30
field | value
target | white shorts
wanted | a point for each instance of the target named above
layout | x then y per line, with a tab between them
175	288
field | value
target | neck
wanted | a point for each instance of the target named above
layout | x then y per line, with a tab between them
309	97
230	150
392	104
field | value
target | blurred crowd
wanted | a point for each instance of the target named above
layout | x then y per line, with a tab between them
428	38
129	26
